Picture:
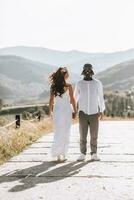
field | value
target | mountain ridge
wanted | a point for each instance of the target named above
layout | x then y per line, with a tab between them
73	59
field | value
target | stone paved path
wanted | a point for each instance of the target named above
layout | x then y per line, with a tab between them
32	175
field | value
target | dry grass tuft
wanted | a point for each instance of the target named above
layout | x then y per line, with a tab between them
3	121
13	141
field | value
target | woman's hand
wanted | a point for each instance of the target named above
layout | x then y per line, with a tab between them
50	115
74	115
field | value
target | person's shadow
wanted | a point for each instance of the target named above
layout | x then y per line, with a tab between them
47	172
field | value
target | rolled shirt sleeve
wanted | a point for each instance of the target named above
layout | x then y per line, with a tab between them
101	101
76	92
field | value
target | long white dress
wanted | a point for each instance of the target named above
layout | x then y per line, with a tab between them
62	119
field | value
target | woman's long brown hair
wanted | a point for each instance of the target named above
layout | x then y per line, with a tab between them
57	81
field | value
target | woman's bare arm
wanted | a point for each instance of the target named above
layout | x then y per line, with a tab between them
51	103
72	99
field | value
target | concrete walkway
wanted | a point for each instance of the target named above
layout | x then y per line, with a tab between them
32	175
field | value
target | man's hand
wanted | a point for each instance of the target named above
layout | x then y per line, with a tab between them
100	115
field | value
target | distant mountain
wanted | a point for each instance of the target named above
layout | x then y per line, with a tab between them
45	55
74	60
24	78
119	77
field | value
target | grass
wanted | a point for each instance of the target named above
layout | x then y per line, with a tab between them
13	141
3	121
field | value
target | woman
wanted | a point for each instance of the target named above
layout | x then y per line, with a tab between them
61	99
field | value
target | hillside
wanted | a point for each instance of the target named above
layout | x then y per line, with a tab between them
5	92
23	78
119	77
24	70
73	59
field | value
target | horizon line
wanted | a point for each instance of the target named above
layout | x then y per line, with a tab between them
67	51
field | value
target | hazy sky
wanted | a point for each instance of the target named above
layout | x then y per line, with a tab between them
86	25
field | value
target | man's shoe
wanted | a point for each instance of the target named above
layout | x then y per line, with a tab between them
94	157
81	157
63	157
58	158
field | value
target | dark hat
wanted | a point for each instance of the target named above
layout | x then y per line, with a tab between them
87	67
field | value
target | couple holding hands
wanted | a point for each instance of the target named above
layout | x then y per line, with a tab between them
63	104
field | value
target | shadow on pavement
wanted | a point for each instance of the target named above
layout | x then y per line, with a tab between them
40	174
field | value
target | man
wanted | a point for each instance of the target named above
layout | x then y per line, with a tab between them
89	96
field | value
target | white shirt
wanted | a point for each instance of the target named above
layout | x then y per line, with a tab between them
89	96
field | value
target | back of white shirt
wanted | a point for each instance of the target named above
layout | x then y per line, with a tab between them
89	95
